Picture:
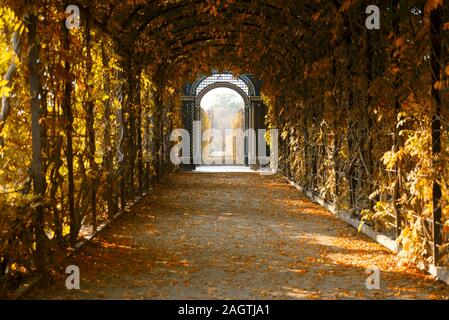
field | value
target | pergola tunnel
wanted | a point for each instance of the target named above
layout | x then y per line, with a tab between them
93	90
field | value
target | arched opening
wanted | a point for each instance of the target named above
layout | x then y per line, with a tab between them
222	115
252	118
217	142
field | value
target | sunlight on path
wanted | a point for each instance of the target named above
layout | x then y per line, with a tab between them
234	236
223	169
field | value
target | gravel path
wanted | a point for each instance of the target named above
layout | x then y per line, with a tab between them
234	236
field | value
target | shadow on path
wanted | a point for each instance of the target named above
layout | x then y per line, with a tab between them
234	236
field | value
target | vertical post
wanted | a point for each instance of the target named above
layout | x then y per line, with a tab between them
305	134
122	132
139	137
396	137
36	141
158	129
350	115
335	130
90	127
107	148
197	135
187	119
68	114
435	37
131	142
246	138
370	76
148	148
254	163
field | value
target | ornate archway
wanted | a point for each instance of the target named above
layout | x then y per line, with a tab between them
254	110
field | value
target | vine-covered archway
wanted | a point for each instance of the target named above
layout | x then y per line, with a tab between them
254	110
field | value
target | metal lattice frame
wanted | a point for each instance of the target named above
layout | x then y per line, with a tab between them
242	84
242	81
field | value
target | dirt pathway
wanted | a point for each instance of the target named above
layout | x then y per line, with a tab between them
234	236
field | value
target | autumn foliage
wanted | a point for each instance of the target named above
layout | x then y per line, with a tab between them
86	113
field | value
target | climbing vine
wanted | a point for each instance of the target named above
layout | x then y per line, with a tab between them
87	112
